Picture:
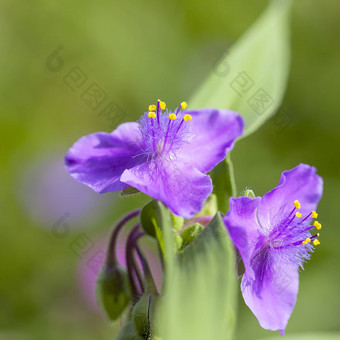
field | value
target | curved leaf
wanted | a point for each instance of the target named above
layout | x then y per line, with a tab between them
251	78
200	294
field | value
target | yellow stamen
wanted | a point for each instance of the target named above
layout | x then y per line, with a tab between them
152	107
316	242
162	105
307	240
187	117
184	105
318	235
314	214
152	114
317	225
172	116
297	204
298	214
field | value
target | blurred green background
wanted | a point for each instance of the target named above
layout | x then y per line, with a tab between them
136	52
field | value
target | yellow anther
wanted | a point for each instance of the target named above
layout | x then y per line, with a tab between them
172	116
152	107
318	235
307	240
187	117
152	114
162	105
297	204
298	214
184	105
317	225
314	214
316	242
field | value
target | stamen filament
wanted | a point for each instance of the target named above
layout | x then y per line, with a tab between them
153	135
166	134
158	110
286	225
179	126
305	218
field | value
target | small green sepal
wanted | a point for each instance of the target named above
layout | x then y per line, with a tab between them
143	316
129	191
128	332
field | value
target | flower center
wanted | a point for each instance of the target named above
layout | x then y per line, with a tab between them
164	133
294	229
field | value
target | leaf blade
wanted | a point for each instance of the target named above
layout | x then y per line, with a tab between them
224	183
200	296
263	53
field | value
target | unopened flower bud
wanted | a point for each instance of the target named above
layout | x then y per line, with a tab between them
209	207
177	240
112	291
190	233
249	193
177	222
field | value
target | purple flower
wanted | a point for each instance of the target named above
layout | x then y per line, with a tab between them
165	155
272	234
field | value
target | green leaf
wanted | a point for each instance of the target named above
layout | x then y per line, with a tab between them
257	63
155	217
224	183
200	294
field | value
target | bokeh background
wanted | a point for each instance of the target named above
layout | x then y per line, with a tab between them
53	229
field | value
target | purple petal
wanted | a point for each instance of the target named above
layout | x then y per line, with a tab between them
300	183
243	227
214	132
179	186
272	296
98	160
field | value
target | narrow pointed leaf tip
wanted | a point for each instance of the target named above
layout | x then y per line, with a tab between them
251	78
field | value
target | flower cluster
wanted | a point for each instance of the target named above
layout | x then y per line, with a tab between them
167	156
